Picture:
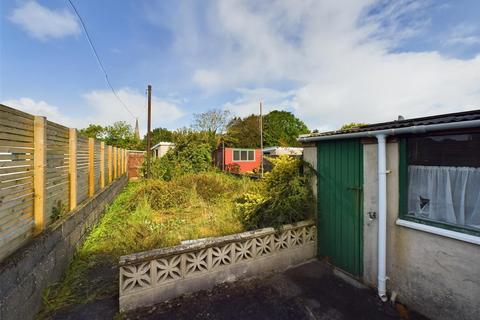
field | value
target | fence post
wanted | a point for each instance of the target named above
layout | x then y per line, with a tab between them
115	159
72	166
109	164
39	165
102	165
126	162
123	161
91	167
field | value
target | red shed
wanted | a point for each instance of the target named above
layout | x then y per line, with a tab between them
238	160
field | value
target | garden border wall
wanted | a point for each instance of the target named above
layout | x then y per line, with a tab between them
153	276
42	261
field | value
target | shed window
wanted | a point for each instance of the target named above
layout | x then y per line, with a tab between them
442	181
243	155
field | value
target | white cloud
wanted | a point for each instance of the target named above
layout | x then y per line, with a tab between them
106	109
43	23
41	108
103	108
249	101
341	64
463	34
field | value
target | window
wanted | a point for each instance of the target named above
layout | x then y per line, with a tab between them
243	155
440	181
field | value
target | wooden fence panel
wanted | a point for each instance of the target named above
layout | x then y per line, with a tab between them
57	177
97	164
35	190
82	168
16	178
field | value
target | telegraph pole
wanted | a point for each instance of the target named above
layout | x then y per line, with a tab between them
149	123
261	140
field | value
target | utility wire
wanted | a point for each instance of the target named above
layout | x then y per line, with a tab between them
98	58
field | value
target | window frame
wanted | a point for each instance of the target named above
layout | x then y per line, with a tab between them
403	190
240	155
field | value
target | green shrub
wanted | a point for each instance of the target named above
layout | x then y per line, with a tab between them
284	196
183	159
210	185
160	195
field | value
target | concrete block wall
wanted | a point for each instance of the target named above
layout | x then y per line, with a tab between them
41	262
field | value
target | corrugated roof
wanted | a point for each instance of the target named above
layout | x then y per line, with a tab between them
444	118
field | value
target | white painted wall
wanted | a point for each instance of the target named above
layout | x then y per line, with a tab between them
310	156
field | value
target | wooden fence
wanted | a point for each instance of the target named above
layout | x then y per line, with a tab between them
47	170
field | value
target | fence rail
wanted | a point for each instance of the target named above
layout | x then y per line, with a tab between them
46	170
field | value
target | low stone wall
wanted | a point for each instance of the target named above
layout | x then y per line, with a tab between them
150	277
41	262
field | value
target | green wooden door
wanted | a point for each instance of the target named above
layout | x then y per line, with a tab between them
340	202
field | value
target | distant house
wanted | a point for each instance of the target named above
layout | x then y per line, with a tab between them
277	151
238	160
399	209
161	148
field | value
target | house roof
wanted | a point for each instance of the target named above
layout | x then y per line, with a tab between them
438	119
162	143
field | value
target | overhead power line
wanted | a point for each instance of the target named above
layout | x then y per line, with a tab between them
87	35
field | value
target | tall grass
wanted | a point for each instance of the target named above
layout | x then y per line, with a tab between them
147	215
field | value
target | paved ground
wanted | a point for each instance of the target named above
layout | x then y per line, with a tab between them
310	291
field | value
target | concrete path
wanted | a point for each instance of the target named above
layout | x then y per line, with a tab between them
310	291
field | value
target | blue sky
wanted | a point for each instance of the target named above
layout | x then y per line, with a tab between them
329	63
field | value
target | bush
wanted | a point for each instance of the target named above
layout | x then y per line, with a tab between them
210	185
160	195
190	155
284	196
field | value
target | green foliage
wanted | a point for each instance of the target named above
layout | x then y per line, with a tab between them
283	196
59	211
280	128
93	131
132	224
352	125
120	134
160	195
191	154
243	132
211	123
159	135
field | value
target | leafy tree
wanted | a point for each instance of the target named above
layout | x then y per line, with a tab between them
243	132
121	135
212	122
93	131
352	125
158	135
282	128
192	154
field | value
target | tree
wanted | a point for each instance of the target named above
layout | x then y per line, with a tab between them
191	154
282	128
243	132
158	135
93	131
211	122
121	135
352	125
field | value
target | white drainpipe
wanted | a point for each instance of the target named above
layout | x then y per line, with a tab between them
382	217
382	178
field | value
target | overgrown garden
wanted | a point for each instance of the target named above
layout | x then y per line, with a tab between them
185	199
